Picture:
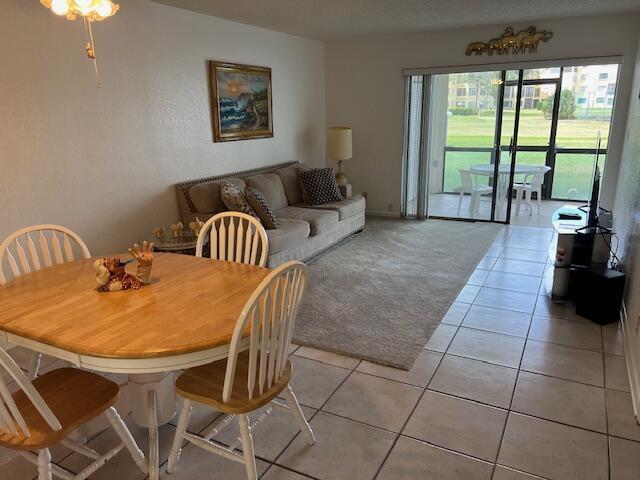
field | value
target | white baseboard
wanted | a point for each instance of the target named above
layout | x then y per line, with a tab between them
381	213
632	357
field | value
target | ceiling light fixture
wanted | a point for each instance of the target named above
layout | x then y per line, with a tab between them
90	11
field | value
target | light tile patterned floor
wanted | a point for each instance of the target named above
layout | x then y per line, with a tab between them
510	387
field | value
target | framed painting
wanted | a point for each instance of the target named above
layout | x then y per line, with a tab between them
241	102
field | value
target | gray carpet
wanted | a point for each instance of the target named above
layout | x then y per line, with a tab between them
379	295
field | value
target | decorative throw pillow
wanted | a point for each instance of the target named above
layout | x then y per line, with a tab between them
256	200
319	186
234	199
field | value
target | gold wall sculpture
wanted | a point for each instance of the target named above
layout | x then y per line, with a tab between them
510	42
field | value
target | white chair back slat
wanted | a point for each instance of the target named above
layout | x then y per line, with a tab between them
10	366
31	258
24	263
247	246
57	250
33	254
234	237
265	326
12	265
44	250
231	255
253	350
6	422
222	249
271	310
68	248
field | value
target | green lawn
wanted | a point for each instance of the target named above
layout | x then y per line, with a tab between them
573	171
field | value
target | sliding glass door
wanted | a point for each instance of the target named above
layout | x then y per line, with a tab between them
470	136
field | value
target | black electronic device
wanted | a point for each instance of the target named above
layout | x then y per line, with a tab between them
598	293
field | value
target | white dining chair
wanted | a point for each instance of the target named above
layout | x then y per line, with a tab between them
44	412
257	370
34	248
234	237
531	183
471	187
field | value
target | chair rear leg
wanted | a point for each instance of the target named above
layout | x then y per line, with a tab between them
125	435
247	447
44	465
183	423
303	425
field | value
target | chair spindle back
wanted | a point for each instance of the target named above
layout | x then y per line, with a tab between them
39	246
234	237
270	313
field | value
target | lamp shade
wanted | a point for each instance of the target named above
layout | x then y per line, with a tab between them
339	144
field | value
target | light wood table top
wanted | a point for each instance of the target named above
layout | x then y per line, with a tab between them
192	305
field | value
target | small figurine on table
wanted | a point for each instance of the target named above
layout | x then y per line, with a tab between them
177	229
112	277
159	233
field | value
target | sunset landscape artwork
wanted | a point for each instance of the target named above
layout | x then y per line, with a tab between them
241	96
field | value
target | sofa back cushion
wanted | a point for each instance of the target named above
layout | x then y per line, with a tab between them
319	186
271	187
291	183
206	197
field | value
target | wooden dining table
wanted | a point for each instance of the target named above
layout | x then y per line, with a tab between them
184	318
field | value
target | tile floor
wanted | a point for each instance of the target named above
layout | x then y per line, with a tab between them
510	387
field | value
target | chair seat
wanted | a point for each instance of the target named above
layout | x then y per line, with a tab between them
74	396
205	384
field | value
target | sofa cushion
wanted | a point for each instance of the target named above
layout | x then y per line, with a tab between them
234	199
346	208
289	233
319	186
206	196
320	220
271	187
291	183
262	208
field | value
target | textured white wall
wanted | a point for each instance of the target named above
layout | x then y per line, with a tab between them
104	161
627	225
365	90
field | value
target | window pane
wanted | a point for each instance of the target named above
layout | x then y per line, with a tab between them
541	73
586	105
471	116
573	175
535	114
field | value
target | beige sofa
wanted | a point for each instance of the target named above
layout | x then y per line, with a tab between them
303	231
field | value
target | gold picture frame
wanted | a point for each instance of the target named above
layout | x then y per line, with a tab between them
241	101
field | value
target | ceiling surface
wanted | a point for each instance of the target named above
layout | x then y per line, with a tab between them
339	19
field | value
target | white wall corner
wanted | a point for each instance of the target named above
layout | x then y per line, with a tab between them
632	358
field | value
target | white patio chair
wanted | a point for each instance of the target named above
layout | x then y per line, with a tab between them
34	248
255	373
532	182
469	186
46	411
234	237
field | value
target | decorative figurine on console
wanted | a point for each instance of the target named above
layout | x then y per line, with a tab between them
196	226
112	277
159	233
177	229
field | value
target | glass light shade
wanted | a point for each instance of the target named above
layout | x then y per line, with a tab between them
92	10
339	143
